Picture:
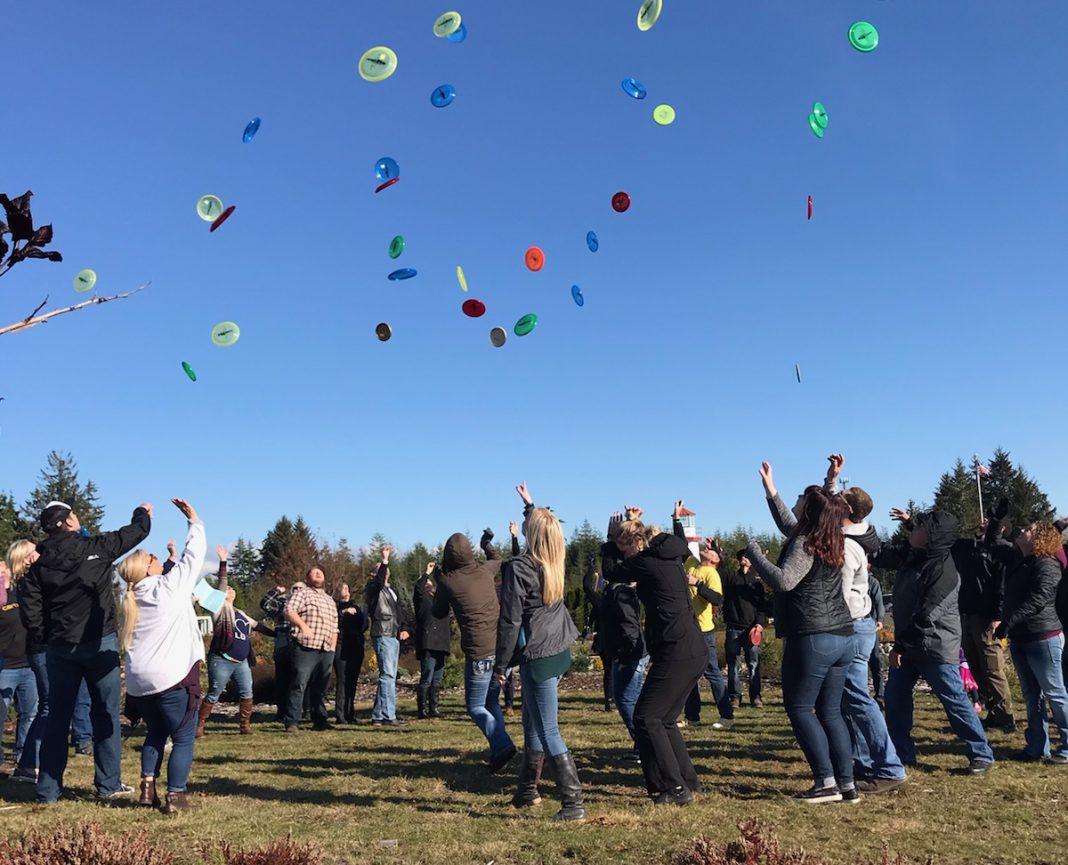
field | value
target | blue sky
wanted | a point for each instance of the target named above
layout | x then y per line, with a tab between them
923	302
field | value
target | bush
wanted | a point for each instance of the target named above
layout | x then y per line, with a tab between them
453	675
283	851
88	844
581	659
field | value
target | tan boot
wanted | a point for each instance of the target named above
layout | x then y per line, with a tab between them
175	802
202	718
149	797
246	717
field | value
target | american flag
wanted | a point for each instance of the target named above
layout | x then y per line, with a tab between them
982	470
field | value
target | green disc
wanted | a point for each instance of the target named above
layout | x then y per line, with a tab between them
664	114
377	63
816	128
189	371
225	334
820	113
526	324
446	24
649	14
85	280
396	246
209	207
863	36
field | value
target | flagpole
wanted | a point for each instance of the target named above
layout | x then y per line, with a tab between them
978	485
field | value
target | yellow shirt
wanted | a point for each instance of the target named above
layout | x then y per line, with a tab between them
708	575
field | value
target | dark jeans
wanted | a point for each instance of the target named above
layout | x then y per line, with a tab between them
606	679
736	644
666	763
168	717
346	674
283	677
431	669
715	679
814	668
311	672
97	662
81	727
875	667
509	688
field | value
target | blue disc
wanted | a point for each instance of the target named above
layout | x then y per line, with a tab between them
403	273
633	87
387	168
251	130
459	34
576	295
443	95
591	241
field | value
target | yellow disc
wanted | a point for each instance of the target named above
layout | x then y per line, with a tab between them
377	63
649	13
446	24
85	280
461	278
664	115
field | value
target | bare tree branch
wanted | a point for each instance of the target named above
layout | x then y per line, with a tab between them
40	306
33	320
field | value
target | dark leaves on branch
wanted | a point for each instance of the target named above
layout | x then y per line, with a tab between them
20	227
20	220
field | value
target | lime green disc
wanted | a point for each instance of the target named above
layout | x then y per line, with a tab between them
396	246
649	14
664	114
225	334
377	63
820	113
461	278
526	324
85	280
814	124
209	207
863	36
446	24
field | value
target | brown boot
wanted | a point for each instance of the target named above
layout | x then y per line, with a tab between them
202	719
246	717
149	798
175	802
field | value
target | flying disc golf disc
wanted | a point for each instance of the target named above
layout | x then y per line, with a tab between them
447	23
535	258
473	308
209	207
377	63
649	14
396	246
85	280
526	324
225	334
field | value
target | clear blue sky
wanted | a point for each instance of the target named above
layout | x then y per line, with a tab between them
924	302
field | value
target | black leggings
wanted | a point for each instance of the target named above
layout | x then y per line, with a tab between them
666	763
346	672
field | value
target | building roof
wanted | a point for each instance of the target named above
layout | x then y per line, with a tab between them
686	512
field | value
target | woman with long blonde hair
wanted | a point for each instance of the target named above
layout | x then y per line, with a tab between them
535	625
164	651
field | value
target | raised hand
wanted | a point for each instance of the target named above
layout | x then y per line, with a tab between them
147	507
187	509
615	523
220	551
675	514
899	515
768	479
524	493
172	550
386	550
835	468
633	512
513	528
430	566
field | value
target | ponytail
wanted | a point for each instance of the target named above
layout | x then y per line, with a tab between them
132	569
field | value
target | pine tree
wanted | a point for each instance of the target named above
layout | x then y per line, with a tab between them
12	526
1027	502
287	552
243	565
339	564
957	494
585	542
59	482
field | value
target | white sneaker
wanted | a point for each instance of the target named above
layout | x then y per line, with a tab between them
723	724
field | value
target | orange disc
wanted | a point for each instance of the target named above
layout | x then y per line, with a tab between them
535	258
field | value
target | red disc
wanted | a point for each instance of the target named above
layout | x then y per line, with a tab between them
810	207
620	202
389	182
225	215
535	258
474	308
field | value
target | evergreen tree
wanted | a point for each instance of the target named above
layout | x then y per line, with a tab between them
585	542
12	526
957	494
287	552
339	565
59	482
1027	502
243	566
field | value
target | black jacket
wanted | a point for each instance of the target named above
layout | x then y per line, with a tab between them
1061	604
350	630
671	629
745	603
878	606
621	624
1030	595
816	605
432	633
387	616
982	579
67	595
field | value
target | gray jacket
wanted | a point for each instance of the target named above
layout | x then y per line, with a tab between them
548	630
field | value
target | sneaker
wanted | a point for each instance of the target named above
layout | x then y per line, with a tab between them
881	785
735	702
394	722
292	728
1057	758
377	722
85	750
124	790
24	776
757	703
503	759
326	725
817	795
1024	756
723	724
678	796
999	722
980	767
682	723
633	758
851	796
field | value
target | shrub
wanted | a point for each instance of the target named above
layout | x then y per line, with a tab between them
581	660
282	851
82	845
453	675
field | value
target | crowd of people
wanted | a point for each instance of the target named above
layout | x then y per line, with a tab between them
655	597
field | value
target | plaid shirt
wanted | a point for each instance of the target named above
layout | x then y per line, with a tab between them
319	612
274	605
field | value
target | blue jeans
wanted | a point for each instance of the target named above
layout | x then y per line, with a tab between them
82	729
715	679
387	650
97	662
945	681
482	696
1038	666
874	754
734	646
627	680
307	686
541	725
814	668
220	671
167	715
18	686
431	669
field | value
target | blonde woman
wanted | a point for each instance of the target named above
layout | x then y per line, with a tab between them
164	651
535	624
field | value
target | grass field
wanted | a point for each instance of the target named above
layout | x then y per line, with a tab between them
426	788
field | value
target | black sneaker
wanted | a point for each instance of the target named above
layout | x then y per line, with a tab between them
24	776
678	796
881	785
85	750
818	795
394	722
1024	756
326	725
851	796
980	767
997	722
501	760
377	722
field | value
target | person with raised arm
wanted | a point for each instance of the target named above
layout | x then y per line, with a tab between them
164	651
433	640
388	631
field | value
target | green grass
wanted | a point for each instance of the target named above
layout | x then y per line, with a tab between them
426	786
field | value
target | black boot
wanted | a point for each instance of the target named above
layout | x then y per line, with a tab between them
435	699
567	781
421	701
526	794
